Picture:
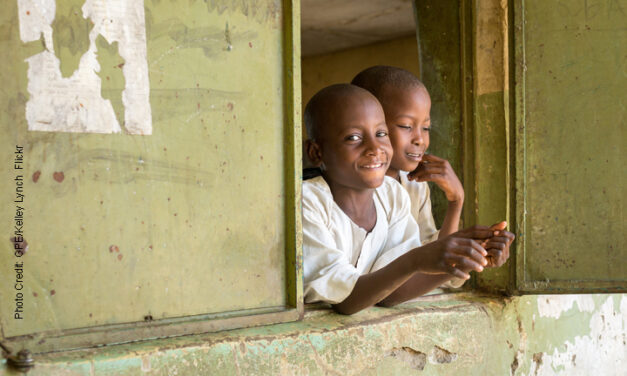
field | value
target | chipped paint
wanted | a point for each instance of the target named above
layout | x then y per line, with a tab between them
555	306
74	102
601	351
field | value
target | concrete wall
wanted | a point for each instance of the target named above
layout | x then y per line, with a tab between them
460	334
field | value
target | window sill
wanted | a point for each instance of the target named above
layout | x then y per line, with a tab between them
443	327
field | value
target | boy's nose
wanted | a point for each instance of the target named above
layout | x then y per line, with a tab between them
417	136
373	145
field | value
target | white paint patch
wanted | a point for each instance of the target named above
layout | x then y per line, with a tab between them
555	305
602	352
146	367
75	104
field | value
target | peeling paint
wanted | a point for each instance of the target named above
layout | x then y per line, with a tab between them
73	102
555	305
602	351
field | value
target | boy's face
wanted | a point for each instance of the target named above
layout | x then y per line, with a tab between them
353	143
407	113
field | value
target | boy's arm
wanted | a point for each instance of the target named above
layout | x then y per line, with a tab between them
439	171
421	283
418	285
453	256
451	220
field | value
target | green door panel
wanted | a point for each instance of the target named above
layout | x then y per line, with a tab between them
571	97
198	220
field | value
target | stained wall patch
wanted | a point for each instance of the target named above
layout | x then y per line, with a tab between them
75	103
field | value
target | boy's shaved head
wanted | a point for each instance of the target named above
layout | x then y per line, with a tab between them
324	103
376	79
348	138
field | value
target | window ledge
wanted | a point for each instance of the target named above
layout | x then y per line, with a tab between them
444	328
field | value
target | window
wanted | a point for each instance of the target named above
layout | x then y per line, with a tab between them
193	228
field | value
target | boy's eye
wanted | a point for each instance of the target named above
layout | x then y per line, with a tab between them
404	126
353	137
382	134
427	129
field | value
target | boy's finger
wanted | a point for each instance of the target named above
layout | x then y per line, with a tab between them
499	226
457	273
499	239
465	263
430	169
430	177
472	250
432	158
475	245
509	235
452	266
495	246
476	232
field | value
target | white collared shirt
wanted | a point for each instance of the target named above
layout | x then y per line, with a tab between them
420	196
336	251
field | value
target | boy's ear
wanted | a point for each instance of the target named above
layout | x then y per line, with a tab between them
314	152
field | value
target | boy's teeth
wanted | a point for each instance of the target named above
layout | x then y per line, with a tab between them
377	165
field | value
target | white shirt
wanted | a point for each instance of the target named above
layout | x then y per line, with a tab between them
336	251
420	196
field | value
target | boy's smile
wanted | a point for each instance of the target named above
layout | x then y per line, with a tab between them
407	115
355	150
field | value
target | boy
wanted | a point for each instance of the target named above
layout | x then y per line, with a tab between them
407	105
360	242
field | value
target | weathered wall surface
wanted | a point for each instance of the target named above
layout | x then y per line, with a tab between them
459	334
488	128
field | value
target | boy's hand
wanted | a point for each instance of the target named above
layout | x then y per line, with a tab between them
457	254
498	245
439	171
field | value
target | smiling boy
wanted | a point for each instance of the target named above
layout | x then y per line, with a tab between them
407	106
360	242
